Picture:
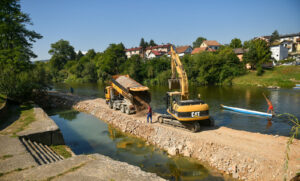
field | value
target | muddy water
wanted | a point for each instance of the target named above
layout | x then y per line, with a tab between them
284	101
86	134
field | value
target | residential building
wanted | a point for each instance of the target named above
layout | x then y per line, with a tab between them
290	37
183	50
161	48
202	49
134	51
154	54
289	45
213	44
279	52
240	52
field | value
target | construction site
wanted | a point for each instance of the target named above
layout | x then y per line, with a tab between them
185	129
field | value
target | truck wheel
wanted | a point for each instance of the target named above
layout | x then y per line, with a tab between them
127	110
123	108
115	106
110	104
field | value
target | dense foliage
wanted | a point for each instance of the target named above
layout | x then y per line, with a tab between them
204	68
258	54
19	79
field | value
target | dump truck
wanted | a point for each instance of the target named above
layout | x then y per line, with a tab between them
126	94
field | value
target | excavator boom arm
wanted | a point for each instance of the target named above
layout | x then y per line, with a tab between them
177	66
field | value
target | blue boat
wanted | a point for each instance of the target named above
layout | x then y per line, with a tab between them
246	111
297	85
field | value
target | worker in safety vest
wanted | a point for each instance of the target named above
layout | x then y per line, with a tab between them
270	108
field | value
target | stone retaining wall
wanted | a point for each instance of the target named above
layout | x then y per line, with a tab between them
44	130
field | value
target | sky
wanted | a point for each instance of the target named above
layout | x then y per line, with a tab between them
94	24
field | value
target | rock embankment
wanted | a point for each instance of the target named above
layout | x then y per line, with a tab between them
244	155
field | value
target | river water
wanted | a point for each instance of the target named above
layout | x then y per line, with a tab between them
86	134
284	101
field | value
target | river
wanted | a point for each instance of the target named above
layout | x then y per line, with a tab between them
86	134
284	101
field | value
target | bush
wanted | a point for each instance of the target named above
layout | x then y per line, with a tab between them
23	85
259	71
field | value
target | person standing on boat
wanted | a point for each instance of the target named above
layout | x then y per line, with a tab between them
270	108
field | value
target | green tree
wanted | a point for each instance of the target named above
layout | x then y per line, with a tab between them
61	52
79	55
19	78
274	36
152	43
236	43
16	40
198	42
91	54
258	54
246	44
143	44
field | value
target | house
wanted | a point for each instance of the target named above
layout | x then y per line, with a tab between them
134	51
290	37
161	48
279	52
154	54
182	50
202	49
265	38
240	53
213	44
289	44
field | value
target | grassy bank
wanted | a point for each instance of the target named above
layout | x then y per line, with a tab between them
61	150
17	119
283	76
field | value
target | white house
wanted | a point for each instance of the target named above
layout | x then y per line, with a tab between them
154	54
279	52
134	51
213	44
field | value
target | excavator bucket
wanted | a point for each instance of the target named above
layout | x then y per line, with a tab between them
174	83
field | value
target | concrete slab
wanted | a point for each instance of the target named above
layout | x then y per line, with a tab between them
84	167
14	155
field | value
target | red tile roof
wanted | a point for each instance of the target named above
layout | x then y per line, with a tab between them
133	49
182	49
202	49
159	46
156	53
198	50
211	43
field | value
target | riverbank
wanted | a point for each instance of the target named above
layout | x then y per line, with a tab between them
32	148
244	155
282	76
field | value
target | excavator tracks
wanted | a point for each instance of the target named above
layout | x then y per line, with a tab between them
193	126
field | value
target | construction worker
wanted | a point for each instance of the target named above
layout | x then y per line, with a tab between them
149	114
270	108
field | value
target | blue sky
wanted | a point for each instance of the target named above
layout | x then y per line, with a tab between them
96	24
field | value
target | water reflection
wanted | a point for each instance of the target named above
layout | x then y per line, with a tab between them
86	134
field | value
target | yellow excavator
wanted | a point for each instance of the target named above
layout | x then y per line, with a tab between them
183	112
